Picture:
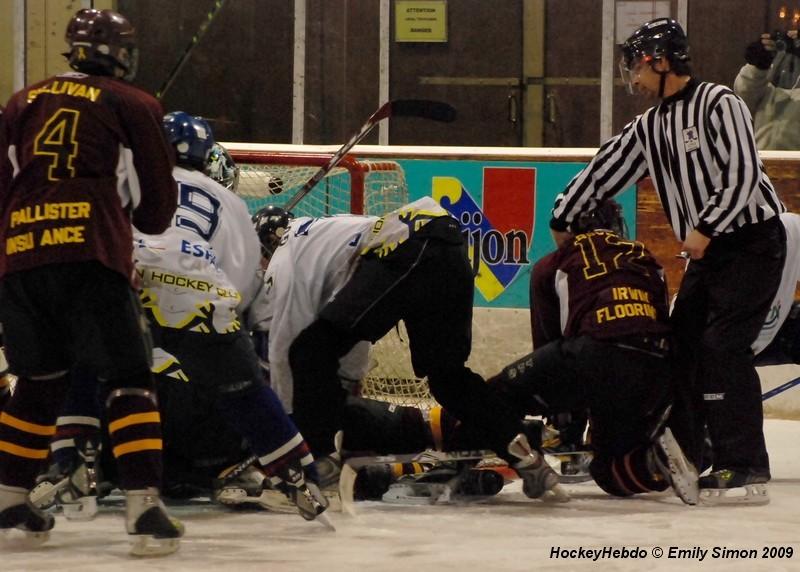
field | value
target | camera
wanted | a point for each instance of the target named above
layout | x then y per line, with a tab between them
782	41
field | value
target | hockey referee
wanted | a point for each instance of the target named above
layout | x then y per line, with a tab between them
697	146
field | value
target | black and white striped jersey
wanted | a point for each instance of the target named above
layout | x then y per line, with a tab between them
698	148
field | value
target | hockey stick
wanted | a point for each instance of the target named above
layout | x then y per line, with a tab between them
424	108
187	52
780	389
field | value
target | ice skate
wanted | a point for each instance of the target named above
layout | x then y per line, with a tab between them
74	489
676	468
251	488
539	480
152	531
22	525
727	487
305	495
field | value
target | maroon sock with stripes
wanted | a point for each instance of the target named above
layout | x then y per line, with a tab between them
134	426
26	425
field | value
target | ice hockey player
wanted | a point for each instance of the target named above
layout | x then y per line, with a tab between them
335	281
195	279
82	155
199	447
602	342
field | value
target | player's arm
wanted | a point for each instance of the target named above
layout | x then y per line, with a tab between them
618	164
545	307
153	161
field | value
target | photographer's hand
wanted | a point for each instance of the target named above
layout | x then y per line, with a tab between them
761	52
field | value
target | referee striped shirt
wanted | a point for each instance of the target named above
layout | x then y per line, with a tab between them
698	148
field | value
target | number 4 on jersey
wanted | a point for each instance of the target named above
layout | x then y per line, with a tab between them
57	140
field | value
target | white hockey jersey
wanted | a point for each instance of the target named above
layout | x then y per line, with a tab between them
784	298
301	278
314	260
205	268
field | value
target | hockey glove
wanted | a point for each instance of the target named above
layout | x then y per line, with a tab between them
758	55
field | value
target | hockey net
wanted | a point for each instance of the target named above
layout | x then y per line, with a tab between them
358	187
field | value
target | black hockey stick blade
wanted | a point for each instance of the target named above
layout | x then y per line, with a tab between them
425	108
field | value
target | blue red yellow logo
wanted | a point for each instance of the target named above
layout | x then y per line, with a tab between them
500	231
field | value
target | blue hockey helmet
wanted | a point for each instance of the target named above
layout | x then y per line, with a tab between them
191	136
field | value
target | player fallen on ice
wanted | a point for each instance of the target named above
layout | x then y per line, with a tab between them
333	282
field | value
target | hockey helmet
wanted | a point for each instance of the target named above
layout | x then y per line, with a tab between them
606	216
659	38
102	42
222	168
191	137
271	223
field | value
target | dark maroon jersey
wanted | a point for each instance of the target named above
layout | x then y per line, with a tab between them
598	285
81	157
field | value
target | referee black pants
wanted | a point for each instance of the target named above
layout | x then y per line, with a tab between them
721	306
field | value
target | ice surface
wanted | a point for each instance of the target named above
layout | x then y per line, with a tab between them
510	532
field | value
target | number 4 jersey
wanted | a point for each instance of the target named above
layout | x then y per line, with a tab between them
598	285
80	158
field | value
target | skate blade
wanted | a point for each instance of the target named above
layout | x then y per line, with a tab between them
146	546
417	493
325	520
83	509
683	476
347	481
273	501
752	495
18	539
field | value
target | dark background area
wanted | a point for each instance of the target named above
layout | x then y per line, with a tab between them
240	73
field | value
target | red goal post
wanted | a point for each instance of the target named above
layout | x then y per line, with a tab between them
358	186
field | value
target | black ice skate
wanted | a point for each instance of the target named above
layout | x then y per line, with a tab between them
539	480
73	488
305	495
251	488
34	524
735	487
676	468
152	531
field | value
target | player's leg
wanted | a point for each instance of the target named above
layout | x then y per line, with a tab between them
36	352
630	401
318	396
226	366
74	470
111	338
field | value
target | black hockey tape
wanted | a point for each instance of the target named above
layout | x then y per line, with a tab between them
425	108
